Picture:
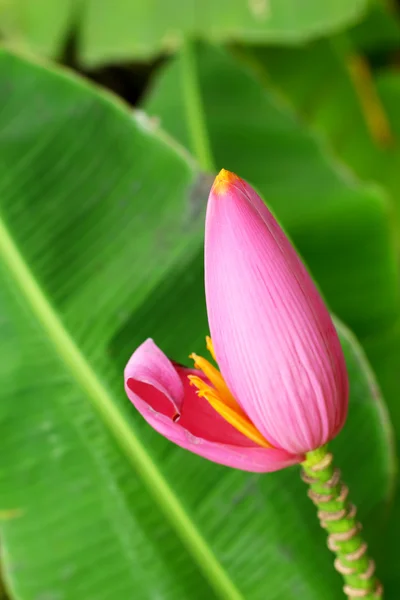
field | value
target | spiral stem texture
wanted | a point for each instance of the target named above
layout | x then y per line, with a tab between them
338	517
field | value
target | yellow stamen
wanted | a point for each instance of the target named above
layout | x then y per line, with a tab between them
216	379
221	399
210	347
235	417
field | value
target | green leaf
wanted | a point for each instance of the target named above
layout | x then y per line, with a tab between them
388	88
41	26
380	30
101	246
117	30
318	81
342	228
113	30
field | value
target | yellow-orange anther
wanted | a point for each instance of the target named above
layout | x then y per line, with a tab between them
215	377
234	416
217	393
210	347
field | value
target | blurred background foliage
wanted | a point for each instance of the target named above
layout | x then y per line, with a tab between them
102	196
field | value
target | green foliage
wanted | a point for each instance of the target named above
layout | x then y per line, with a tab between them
101	246
318	82
119	30
379	31
40	26
142	29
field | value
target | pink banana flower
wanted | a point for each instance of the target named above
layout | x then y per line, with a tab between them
282	388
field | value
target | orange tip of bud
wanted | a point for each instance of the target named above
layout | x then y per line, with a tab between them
223	180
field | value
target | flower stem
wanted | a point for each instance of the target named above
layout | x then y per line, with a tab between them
194	108
337	516
371	105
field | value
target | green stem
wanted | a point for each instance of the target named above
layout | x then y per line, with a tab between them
194	108
337	516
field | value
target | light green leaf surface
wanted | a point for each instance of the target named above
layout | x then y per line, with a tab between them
119	30
317	81
341	227
40	26
101	246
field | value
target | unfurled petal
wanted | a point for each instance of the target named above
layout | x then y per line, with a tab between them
274	340
161	392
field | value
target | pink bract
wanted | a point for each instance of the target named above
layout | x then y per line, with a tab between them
160	389
274	339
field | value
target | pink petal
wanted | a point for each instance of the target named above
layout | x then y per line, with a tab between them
158	388
274	340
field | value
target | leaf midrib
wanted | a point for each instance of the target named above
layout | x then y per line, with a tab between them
102	400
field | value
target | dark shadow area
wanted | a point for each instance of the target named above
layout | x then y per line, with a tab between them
128	80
